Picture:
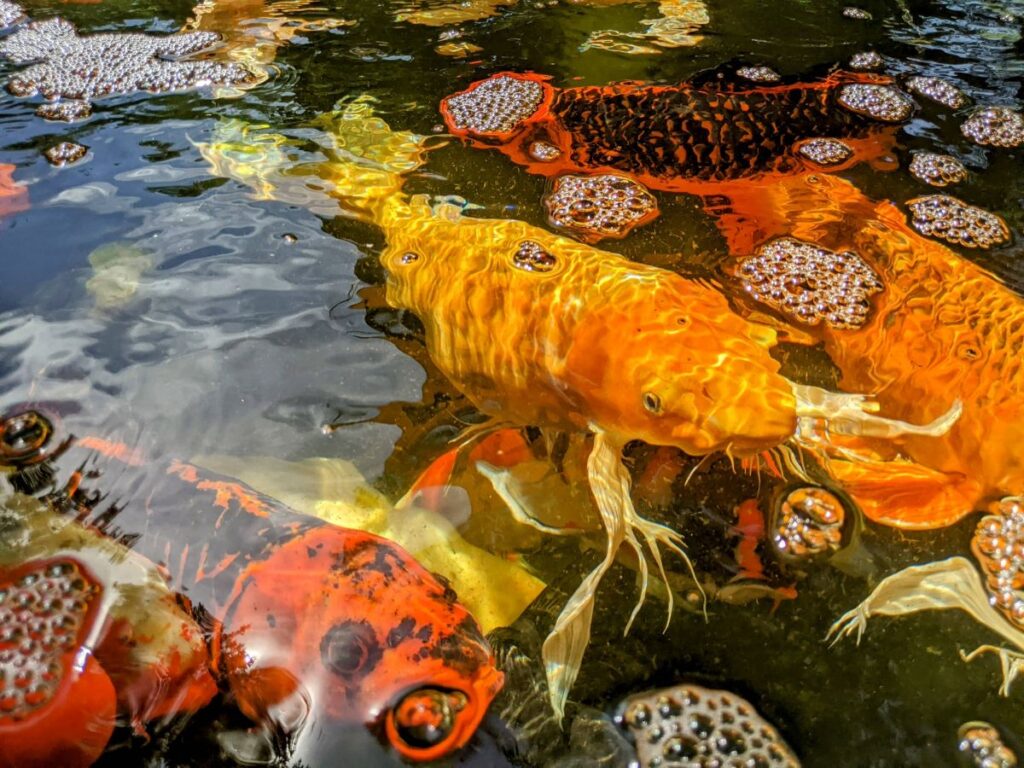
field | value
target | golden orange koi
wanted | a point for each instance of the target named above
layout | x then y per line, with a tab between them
941	330
537	329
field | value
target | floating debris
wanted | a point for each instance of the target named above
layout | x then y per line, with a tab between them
982	744
432	13
954	221
688	725
676	26
494	106
458	50
867	61
73	67
117	271
825	151
937	170
857	13
595	207
544	152
809	522
10	13
881	102
65	153
532	257
759	74
996	126
998	545
67	111
938	90
811	284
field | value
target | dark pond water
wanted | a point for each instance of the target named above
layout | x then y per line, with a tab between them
155	302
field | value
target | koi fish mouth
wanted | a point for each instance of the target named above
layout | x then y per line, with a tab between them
431	722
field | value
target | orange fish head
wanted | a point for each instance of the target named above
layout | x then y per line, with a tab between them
340	626
684	370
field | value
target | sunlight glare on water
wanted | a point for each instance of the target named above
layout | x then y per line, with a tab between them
367	370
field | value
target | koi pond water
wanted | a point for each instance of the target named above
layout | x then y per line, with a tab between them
549	383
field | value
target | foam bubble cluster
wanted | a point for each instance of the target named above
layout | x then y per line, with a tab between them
825	151
594	207
811	284
879	102
867	61
937	170
857	13
543	151
496	105
759	74
998	545
41	618
67	111
938	90
982	744
9	13
532	257
809	522
65	153
996	126
955	221
68	66
694	727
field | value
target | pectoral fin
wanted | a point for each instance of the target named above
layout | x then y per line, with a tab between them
905	495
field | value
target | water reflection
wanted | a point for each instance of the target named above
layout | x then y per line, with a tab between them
187	317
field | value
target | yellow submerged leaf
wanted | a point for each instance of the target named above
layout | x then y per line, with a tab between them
496	591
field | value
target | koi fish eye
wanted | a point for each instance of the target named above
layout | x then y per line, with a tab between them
350	648
652	402
424	719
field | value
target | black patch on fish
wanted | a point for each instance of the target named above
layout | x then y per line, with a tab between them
402	632
425	633
460	650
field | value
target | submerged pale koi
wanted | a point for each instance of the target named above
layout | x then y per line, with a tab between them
310	625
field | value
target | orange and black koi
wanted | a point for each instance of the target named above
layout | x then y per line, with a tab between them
676	138
310	624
